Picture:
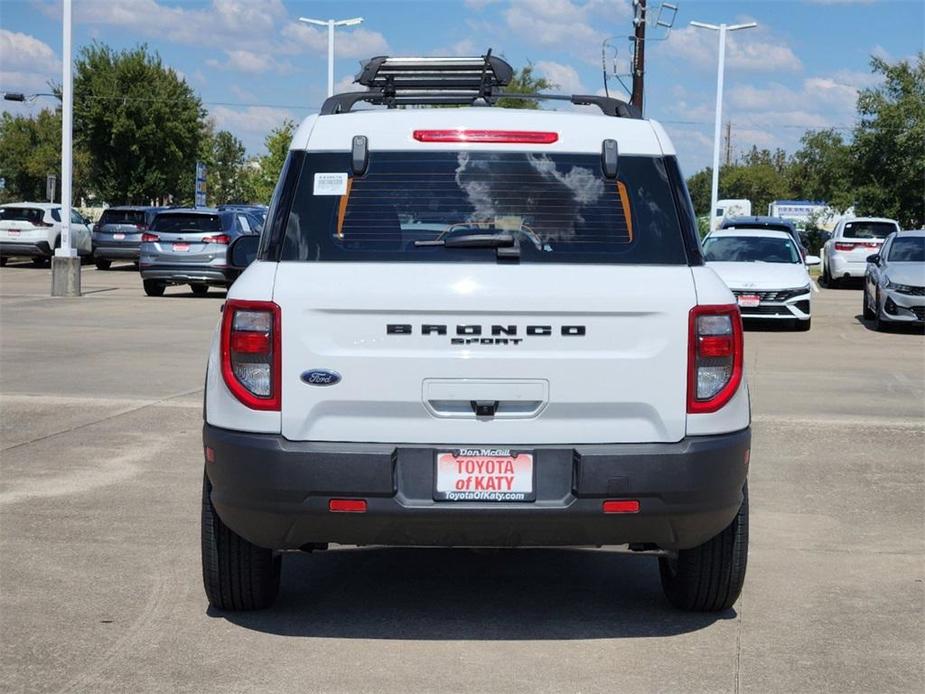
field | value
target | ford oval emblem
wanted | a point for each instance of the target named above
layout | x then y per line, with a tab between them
320	377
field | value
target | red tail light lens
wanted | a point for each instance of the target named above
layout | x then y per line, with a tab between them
149	238
531	137
250	353
223	239
715	357
844	246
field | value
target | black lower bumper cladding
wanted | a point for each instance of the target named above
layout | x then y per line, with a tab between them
276	493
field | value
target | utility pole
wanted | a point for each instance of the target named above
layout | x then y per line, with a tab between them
728	142
639	55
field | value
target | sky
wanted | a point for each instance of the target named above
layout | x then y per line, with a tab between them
255	65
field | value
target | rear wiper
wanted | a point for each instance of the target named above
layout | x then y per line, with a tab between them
471	241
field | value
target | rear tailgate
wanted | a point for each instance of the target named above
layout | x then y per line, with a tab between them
598	357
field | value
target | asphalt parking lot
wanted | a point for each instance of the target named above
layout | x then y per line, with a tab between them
100	586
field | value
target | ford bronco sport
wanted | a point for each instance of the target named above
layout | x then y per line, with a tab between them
476	327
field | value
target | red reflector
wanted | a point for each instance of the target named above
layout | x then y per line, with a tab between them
532	137
148	238
347	505
716	346
844	246
621	506
748	455
250	342
210	454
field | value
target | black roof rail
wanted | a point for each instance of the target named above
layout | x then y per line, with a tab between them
394	82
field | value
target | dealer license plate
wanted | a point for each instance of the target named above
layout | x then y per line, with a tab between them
13	232
181	246
484	474
118	237
749	300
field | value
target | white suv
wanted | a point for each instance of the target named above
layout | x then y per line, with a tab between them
844	255
476	327
33	229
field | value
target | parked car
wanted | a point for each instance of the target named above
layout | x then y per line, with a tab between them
771	223
117	234
844	255
257	212
190	246
33	230
550	363
765	271
894	284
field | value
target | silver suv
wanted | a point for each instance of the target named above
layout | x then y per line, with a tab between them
117	236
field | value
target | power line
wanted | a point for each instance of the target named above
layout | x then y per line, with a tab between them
759	124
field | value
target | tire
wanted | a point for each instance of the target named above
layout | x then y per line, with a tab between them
868	314
103	264
826	277
154	287
709	577
200	289
236	574
802	326
40	261
880	325
2	262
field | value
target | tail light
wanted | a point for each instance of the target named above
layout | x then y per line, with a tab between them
223	239
149	238
844	246
531	137
250	353
715	356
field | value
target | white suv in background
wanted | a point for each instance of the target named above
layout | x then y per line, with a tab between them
476	327
844	255
33	229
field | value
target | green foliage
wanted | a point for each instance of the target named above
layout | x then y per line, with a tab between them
225	162
889	144
525	82
141	123
821	169
260	180
758	177
699	186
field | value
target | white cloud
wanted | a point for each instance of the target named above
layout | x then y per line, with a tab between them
349	42
251	124
251	63
27	65
753	50
564	77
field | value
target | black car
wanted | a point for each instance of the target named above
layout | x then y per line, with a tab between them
773	223
117	235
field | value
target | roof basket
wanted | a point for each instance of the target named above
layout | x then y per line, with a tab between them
469	81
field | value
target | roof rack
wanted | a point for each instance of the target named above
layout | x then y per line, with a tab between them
395	82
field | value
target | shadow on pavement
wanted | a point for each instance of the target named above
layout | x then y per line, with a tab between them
440	594
893	328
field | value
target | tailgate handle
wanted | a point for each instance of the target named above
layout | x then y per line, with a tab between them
484	408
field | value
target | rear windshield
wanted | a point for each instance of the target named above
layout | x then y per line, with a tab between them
868	230
123	217
910	249
178	223
558	207
749	249
21	214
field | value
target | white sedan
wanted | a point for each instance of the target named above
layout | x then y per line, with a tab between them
765	271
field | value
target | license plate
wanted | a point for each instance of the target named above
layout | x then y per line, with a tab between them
484	474
749	300
13	232
181	246
118	237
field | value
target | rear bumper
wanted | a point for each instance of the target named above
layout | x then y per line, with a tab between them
25	248
843	268
184	274
116	252
275	493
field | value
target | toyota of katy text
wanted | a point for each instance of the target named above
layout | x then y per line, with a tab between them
476	327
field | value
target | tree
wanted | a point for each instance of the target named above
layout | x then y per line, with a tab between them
140	123
761	182
700	185
260	180
225	169
821	169
889	144
525	82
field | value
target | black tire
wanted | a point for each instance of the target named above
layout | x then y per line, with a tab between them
802	326
826	277
40	261
880	325
2	261
154	287
868	314
103	264
236	574
709	577
199	289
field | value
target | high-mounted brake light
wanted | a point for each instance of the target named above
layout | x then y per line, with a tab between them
530	137
251	358
715	357
223	239
149	238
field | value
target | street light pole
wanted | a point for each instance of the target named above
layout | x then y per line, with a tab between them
717	128
65	264
331	24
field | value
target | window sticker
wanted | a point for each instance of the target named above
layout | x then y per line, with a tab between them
330	184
